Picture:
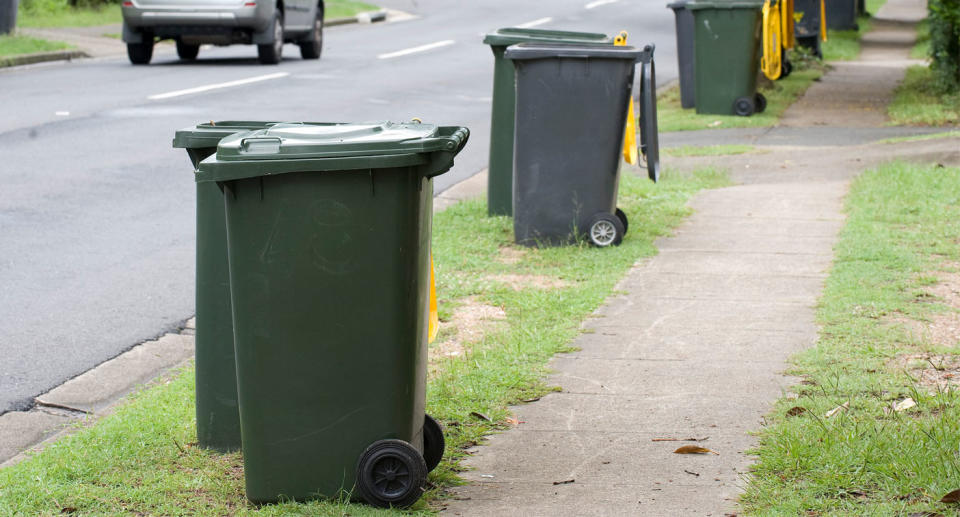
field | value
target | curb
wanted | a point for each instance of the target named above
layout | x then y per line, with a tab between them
42	57
367	17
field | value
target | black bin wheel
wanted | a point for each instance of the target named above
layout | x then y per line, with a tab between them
623	219
785	69
433	442
391	473
605	230
744	106
761	102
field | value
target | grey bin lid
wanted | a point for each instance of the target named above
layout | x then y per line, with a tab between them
514	35
525	51
288	147
742	4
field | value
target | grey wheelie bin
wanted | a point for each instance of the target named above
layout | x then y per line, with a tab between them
8	16
841	15
807	28
569	139
328	232
500	171
218	419
685	49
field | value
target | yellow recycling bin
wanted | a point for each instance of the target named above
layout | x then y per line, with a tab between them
630	154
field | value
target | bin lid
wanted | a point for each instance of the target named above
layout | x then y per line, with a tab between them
740	4
209	134
286	147
513	35
681	4
554	50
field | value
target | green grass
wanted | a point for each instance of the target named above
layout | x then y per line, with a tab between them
57	13
920	138
917	102
344	8
708	150
137	461
780	95
921	49
51	13
845	45
17	45
903	225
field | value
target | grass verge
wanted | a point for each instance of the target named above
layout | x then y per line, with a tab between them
920	138
345	8
708	150
921	49
870	459
139	460
17	45
48	13
845	45
916	101
780	95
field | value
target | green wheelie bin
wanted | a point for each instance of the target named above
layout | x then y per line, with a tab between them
500	170
328	232
727	55
218	419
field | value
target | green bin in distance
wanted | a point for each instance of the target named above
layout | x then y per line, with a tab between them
328	233
500	169
727	55
218	419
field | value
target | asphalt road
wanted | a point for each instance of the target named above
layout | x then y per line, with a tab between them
97	210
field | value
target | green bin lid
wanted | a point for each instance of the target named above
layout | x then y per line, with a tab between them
210	133
525	51
512	36
739	4
292	147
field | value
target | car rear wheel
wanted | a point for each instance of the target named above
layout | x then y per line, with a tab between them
141	53
271	53
311	48
187	51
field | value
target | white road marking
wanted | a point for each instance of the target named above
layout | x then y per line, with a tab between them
598	3
534	23
218	86
414	50
62	113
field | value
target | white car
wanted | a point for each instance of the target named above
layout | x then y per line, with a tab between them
268	24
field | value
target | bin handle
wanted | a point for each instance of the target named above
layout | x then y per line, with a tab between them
261	144
452	144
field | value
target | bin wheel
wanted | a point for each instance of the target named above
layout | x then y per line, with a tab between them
391	473
744	106
433	442
623	219
186	51
761	102
606	230
785	68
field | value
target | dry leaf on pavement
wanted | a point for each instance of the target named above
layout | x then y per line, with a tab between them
694	449
842	407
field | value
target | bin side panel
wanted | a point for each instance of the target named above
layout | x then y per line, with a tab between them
569	135
328	290
727	57
500	172
218	418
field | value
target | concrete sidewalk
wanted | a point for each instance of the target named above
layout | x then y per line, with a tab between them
696	347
